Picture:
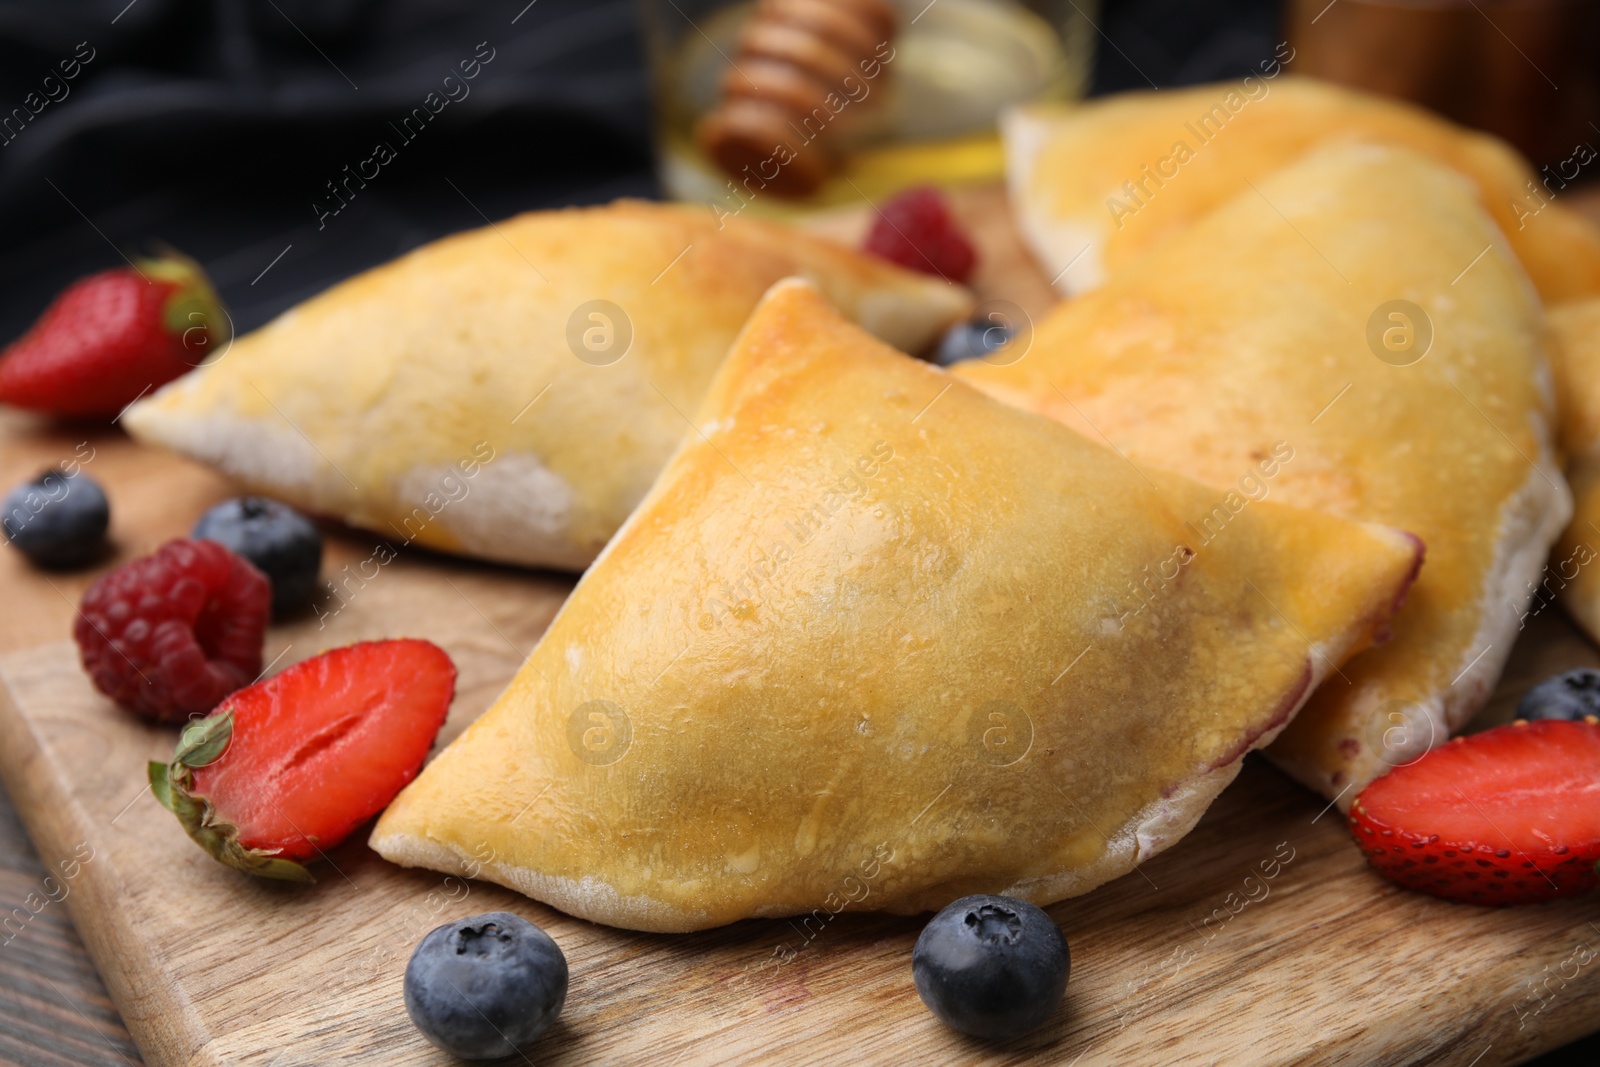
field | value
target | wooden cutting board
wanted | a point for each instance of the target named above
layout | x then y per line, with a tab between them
1261	938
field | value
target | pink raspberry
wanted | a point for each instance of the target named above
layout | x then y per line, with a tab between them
169	635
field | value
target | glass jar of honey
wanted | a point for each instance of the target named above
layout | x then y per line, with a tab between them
775	106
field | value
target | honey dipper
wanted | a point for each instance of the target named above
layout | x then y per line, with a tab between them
767	127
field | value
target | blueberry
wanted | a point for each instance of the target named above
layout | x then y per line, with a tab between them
58	519
281	542
971	340
1572	695
991	967
487	986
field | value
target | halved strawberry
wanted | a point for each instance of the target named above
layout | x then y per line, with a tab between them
285	769
1508	816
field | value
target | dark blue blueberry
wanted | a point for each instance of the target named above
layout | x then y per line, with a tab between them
486	986
281	542
58	519
991	967
1572	695
971	340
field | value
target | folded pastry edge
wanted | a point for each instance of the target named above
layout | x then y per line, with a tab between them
1531	520
589	898
278	462
1579	592
1070	252
1148	832
1167	820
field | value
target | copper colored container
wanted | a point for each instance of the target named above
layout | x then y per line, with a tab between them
1526	70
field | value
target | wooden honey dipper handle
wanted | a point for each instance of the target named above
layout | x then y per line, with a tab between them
792	56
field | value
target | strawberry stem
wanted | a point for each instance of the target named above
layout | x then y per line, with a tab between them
203	742
193	312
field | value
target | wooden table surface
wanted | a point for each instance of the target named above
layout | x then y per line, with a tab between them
53	1007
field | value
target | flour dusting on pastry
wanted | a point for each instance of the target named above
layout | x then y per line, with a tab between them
483	343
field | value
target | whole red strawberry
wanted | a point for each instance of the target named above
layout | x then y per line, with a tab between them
1508	816
286	769
112	336
170	634
917	231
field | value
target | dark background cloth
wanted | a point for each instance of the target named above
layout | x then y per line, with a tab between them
214	127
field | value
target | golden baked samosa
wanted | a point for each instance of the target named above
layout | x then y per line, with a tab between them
1571	575
1346	307
510	393
874	641
1096	186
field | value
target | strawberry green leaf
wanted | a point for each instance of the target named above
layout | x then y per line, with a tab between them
161	785
193	303
204	740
